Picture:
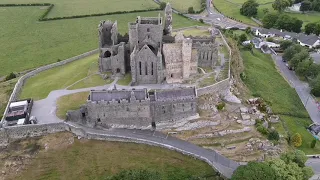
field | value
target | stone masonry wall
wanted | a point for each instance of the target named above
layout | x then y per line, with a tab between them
17	89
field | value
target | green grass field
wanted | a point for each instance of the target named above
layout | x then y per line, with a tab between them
92	159
70	102
194	32
232	9
39	86
183	5
264	80
5	92
27	43
81	7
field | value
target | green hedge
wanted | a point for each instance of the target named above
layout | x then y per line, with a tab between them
92	15
46	12
30	4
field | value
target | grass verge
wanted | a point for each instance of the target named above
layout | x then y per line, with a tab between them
70	102
92	159
125	80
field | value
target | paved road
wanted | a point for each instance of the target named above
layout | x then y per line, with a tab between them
315	164
302	89
316	57
220	163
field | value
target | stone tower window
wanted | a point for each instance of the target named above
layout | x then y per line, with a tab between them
151	68
99	120
148	30
140	68
146	68
107	54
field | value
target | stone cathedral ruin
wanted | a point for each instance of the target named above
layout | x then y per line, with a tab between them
153	56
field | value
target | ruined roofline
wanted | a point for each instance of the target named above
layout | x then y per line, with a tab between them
200	37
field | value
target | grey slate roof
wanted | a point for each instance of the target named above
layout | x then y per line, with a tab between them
306	39
117	95
175	94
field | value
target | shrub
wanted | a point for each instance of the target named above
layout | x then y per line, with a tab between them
163	5
201	20
10	76
296	140
191	10
270	39
273	135
221	105
313	143
262	130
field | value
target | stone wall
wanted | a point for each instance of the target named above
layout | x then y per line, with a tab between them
218	87
17	89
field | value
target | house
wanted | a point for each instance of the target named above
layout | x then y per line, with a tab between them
310	41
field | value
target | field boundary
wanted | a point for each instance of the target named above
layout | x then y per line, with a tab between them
50	6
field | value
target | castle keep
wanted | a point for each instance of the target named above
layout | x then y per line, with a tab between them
135	108
151	53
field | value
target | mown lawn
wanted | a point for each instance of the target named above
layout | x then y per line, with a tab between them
70	102
195	32
232	9
264	80
183	5
80	7
92	159
39	86
27	43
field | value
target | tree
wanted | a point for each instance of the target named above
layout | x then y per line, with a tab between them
313	143
288	23
305	6
315	86
280	5
163	5
296	25
296	156
296	140
136	174
249	8
314	70
201	20
265	10
285	44
269	19
190	10
248	30
310	28
291	51
242	38
254	171
316	5
299	57
317	29
303	67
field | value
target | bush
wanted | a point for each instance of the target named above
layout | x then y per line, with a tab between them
262	130
313	143
190	10
254	171
201	20
296	140
270	39
221	105
273	135
136	174
163	5
10	76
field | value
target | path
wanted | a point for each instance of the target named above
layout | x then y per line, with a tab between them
220	163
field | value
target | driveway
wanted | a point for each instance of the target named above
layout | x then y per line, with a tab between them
316	57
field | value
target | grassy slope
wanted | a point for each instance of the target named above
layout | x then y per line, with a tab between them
233	10
70	102
39	86
183	5
81	7
264	80
91	159
26	43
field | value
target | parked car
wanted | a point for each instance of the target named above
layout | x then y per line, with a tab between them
289	67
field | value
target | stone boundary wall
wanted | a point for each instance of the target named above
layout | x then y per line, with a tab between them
220	163
191	27
17	88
